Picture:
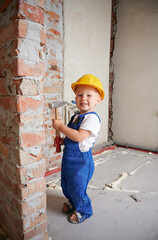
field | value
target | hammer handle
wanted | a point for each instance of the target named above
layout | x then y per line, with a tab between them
57	117
57	114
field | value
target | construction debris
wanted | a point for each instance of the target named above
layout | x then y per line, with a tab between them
135	198
117	181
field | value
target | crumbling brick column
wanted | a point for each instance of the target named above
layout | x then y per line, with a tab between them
22	169
53	81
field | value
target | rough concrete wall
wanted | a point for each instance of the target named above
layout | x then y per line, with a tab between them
53	81
87	48
135	88
22	67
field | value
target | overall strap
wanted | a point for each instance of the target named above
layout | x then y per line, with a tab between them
76	124
82	115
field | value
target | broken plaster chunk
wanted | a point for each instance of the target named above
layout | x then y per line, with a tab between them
51	185
54	184
117	181
35	150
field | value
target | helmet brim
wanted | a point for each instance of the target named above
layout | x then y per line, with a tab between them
76	84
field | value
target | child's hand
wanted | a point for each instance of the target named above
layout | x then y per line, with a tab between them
57	124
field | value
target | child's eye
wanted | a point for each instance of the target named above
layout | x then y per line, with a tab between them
89	95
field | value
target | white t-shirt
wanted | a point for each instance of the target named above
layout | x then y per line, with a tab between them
90	123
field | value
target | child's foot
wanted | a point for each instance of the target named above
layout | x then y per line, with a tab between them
76	217
67	207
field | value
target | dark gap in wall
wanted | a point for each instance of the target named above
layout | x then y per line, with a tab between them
111	65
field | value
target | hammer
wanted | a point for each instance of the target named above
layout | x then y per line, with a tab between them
56	105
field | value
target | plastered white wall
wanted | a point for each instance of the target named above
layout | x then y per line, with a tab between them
87	25
135	98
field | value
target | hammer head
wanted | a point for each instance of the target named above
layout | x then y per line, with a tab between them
57	104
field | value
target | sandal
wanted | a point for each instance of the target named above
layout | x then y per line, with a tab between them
78	218
67	207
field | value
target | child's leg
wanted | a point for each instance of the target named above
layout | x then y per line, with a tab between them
77	182
81	201
64	186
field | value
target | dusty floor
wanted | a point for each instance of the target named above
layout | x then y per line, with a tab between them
124	194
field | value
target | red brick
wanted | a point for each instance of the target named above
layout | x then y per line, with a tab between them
11	186
13	225
41	4
3	53
32	206
8	103
22	27
31	172
33	221
54	37
7	33
53	15
11	171
27	103
4	150
22	191
39	229
15	29
43	36
32	139
21	157
3	192
30	12
28	190
26	68
20	67
3	90
52	30
53	89
28	120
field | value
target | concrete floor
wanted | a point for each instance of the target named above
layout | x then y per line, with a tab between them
124	194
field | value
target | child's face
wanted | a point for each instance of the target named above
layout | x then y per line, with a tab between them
87	98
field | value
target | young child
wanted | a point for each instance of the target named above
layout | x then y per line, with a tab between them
77	161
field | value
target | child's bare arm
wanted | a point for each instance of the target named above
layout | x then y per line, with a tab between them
75	135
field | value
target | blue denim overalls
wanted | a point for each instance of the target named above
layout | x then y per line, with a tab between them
77	170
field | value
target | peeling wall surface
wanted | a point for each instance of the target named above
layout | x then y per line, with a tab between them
53	80
135	108
86	49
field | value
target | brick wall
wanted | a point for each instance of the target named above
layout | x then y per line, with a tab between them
31	77
22	168
53	81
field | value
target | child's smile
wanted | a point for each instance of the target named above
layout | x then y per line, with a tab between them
83	104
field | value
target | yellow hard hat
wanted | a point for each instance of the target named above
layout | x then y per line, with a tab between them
89	80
